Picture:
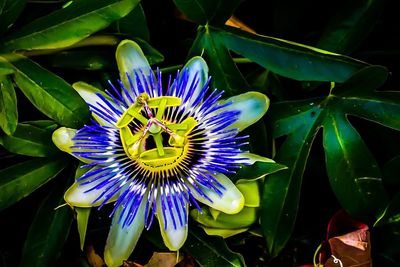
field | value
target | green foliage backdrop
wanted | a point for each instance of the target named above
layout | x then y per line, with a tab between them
332	76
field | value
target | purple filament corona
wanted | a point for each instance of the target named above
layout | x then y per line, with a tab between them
214	148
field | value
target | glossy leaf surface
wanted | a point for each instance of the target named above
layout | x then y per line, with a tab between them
49	93
210	250
8	106
30	140
69	25
204	11
20	180
353	172
48	232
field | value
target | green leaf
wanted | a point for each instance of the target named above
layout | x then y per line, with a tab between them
9	12
226	75
152	54
69	25
210	251
258	170
281	192
48	232
203	11
352	170
30	140
49	93
44	124
391	214
20	180
93	59
289	59
351	25
133	25
8	106
5	67
98	58
391	172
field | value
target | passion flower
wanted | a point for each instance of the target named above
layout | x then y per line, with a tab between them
154	149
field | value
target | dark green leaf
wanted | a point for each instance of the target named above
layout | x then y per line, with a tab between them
5	67
226	75
203	11
391	172
69	25
351	25
20	180
9	12
352	168
380	107
133	25
50	94
94	59
98	59
30	141
8	106
289	59
152	55
210	251
391	214
44	124
281	192
365	80
48	232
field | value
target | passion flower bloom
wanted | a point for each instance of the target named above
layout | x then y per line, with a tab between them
157	149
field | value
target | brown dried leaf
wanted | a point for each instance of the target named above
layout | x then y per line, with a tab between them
93	259
163	259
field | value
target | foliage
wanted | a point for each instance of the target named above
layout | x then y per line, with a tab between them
333	122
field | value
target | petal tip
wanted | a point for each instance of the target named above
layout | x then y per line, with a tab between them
62	138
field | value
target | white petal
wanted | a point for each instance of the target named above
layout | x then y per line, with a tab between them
122	240
231	201
89	94
198	74
131	60
252	107
174	237
79	195
62	138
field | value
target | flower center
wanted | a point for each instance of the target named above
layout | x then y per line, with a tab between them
165	155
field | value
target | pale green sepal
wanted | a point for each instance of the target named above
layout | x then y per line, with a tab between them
252	158
245	218
81	195
250	191
231	201
214	213
130	59
82	221
88	93
62	138
173	238
224	233
197	68
252	107
122	240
